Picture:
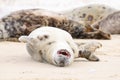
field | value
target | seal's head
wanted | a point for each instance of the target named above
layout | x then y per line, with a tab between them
60	54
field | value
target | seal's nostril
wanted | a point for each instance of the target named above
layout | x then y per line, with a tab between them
62	64
108	35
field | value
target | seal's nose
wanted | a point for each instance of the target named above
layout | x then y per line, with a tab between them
64	52
62	63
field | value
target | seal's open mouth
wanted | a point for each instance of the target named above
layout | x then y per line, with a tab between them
64	52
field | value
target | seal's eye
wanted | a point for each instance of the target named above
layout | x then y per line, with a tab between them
64	52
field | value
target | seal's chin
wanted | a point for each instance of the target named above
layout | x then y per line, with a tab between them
64	52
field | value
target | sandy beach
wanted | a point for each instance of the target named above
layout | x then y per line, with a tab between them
16	64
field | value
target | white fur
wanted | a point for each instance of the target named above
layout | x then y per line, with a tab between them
60	38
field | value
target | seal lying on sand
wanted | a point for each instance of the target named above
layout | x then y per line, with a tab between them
57	46
24	21
109	24
89	14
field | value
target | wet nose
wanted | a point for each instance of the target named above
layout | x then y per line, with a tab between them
63	60
62	63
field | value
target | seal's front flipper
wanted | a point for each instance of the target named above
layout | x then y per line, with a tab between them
88	55
89	46
86	50
23	38
27	39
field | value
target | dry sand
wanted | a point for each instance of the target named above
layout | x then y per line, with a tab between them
16	64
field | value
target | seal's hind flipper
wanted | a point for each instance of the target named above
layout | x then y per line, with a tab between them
10	39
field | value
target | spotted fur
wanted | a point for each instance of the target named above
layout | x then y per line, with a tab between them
90	13
57	47
110	24
24	21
